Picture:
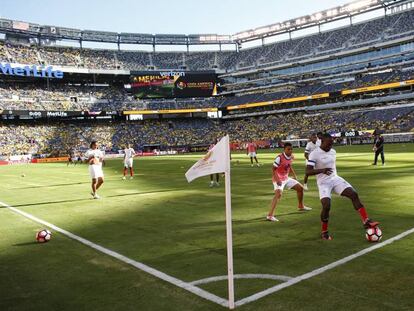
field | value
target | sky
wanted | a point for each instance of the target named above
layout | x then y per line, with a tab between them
162	16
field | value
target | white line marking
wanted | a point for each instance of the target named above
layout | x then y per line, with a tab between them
161	275
243	276
321	270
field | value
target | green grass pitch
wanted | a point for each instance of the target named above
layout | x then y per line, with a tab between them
178	228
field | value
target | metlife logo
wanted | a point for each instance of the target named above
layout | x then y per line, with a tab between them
30	71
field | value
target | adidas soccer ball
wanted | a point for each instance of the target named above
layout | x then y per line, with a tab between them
373	234
43	236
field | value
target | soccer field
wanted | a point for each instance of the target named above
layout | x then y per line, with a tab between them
160	220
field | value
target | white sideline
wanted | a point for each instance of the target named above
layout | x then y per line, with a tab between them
321	270
161	275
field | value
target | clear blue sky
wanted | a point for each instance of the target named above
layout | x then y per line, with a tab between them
162	16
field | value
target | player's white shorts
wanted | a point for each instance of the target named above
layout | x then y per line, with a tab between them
252	154
95	171
336	184
288	183
128	163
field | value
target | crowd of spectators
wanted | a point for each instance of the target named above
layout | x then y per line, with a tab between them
57	138
77	97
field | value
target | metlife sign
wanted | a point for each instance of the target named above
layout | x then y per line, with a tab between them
30	71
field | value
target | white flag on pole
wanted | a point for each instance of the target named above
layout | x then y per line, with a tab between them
215	161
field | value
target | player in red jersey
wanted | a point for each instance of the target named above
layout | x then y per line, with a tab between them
282	167
251	152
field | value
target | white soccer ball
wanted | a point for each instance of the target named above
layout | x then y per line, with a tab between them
373	234
43	236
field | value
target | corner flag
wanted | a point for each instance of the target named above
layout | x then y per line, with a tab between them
217	160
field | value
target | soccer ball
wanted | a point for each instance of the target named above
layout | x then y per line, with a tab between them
23	175
43	236
373	234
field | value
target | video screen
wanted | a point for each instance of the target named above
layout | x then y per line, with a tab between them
172	84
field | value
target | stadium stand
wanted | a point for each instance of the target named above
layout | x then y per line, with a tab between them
58	138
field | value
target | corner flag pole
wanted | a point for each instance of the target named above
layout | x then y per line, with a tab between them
229	229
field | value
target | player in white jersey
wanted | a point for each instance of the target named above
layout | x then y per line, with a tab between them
322	163
310	146
129	154
95	158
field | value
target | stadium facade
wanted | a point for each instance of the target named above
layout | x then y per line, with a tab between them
349	80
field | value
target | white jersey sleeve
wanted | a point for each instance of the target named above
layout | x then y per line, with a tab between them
309	147
276	163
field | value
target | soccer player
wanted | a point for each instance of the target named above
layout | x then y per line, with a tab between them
378	148
71	158
310	146
322	163
214	178
129	154
95	159
319	140
251	152
282	167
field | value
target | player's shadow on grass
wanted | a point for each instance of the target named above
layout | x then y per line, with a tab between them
86	199
26	243
56	185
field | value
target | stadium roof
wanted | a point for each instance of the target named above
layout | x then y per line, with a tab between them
28	29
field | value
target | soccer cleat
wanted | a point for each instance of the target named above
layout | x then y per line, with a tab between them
123	178
305	187
211	185
271	218
132	177
305	209
251	165
325	236
370	224
258	165
92	194
216	184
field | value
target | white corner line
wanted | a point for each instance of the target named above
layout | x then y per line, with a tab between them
158	274
212	279
321	270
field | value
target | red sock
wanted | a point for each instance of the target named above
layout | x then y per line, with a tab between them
125	171
363	214
324	226
131	171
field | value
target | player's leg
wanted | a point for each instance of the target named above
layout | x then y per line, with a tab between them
125	170
351	194
326	207
376	157
131	168
93	185
273	205
251	160
99	183
211	180
382	157
299	191
217	183
305	182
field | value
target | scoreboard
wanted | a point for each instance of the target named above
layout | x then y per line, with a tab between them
173	84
